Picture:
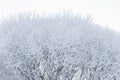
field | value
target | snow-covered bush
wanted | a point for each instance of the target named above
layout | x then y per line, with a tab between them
57	48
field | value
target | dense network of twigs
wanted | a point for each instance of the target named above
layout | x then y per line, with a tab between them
57	48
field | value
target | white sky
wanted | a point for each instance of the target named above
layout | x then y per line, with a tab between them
104	12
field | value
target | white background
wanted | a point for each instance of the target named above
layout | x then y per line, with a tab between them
104	12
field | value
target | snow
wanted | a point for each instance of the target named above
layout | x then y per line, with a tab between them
57	48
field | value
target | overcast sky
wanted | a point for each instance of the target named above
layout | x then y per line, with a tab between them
104	12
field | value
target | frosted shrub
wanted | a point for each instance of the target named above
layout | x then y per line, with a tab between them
57	48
